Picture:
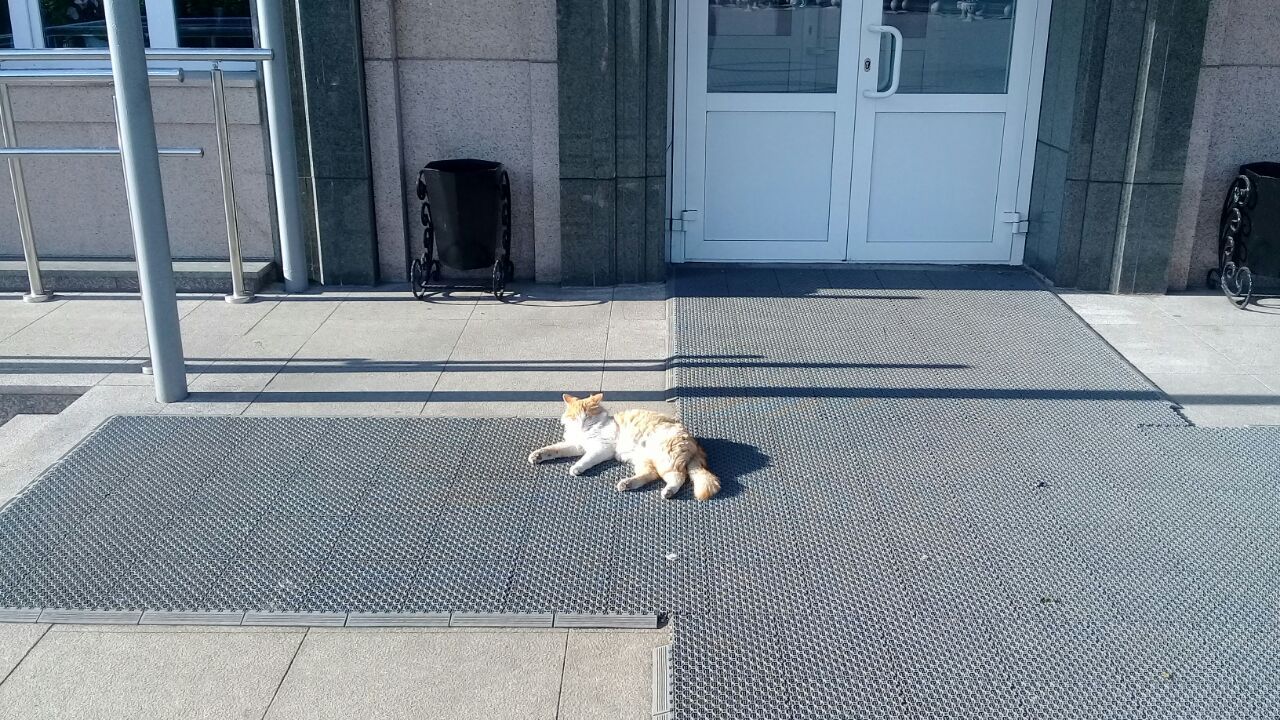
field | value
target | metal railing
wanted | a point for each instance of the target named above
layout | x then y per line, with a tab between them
86	77
135	124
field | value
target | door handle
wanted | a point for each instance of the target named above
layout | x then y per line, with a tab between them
897	62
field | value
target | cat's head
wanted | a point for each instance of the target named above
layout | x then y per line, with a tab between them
578	411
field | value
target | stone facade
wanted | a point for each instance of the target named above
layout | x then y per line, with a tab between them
1235	123
1119	94
78	205
456	79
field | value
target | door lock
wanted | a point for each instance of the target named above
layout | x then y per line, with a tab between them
866	65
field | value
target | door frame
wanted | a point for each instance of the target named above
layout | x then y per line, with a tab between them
678	102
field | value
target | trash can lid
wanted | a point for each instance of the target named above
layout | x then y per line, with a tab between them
464	165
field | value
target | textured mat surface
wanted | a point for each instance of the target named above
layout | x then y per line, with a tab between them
943	497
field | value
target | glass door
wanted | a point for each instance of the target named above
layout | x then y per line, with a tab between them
942	106
769	128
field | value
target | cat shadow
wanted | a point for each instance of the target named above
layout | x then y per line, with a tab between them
731	461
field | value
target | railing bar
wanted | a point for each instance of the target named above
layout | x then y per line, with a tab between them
21	202
238	294
92	152
179	54
49	77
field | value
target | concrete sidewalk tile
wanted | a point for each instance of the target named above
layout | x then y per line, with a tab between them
494	675
1100	309
1247	347
162	675
1163	348
1214	309
607	675
361	308
531	340
15	642
640	340
515	385
381	341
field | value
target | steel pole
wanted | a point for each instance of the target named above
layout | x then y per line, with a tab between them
238	294
138	150
284	156
25	230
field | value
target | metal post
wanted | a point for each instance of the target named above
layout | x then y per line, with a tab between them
137	128
37	293
238	294
284	156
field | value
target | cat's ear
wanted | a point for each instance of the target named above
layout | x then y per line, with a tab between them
595	399
569	399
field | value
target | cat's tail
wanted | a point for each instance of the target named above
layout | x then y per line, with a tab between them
705	482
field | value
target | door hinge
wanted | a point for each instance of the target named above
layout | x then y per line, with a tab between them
685	216
1016	219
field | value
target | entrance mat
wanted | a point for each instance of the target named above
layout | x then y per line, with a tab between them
1036	572
909	347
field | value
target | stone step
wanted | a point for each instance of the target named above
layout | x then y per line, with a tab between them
212	276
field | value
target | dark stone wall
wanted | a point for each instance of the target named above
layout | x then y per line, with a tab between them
613	66
326	68
1115	122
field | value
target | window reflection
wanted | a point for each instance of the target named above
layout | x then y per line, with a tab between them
78	23
773	46
6	30
214	23
950	46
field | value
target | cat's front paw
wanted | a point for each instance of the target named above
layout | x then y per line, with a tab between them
669	492
576	470
623	486
536	457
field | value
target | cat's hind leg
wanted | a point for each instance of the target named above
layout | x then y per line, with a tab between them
645	474
551	452
672	481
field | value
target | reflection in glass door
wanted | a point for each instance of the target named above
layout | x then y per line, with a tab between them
769	127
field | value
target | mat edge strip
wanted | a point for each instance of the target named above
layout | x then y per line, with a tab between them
510	620
638	621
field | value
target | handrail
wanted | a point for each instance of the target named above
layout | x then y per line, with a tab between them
79	77
92	151
167	54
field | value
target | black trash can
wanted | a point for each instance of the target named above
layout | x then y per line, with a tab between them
1249	234
466	223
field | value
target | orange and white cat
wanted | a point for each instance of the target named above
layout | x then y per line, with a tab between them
657	446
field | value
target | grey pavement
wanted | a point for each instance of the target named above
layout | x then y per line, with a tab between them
1220	363
70	672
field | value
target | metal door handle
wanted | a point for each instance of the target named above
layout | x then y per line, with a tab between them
897	61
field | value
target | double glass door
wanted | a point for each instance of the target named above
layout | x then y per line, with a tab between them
869	131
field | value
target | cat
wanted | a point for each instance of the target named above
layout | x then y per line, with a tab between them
656	445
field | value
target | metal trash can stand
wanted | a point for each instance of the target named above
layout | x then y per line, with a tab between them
466	223
1249	234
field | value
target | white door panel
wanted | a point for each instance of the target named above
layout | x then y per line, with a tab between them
949	162
778	191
